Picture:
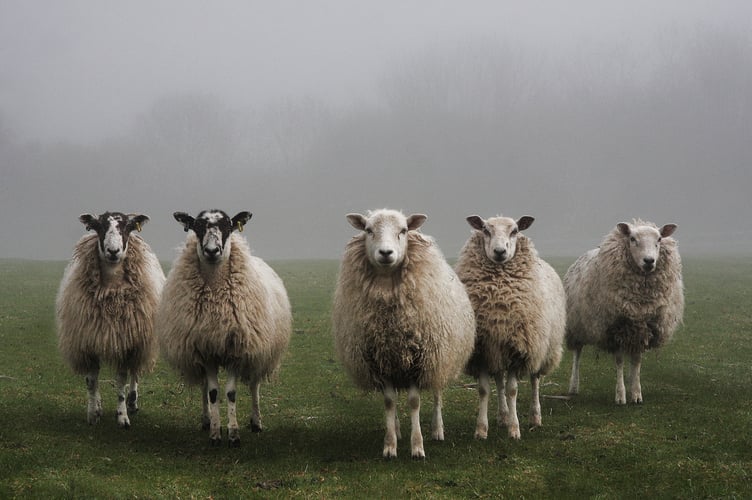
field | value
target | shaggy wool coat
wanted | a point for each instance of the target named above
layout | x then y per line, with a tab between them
238	317
519	310
110	323
414	326
611	303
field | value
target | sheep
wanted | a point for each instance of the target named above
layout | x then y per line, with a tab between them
625	297
520	312
105	308
222	307
400	319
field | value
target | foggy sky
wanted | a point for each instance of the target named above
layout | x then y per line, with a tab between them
582	114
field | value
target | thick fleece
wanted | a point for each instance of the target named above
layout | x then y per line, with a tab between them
414	326
519	310
613	304
109	321
239	319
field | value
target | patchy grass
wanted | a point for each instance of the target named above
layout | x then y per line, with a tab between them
323	438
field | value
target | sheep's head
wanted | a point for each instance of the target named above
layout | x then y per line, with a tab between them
500	235
644	242
113	229
386	235
213	229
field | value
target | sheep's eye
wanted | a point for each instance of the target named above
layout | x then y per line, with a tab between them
659	240
632	239
486	232
403	232
514	232
369	231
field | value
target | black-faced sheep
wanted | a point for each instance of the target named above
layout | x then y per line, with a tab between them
222	307
520	315
105	308
625	297
401	318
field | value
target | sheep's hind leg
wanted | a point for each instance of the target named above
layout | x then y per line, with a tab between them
94	407
233	430
635	387
255	407
574	379
536	420
121	382
132	400
620	397
205	419
513	423
390	412
416	436
212	394
503	411
484	389
437	423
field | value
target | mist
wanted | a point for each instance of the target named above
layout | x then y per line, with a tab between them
581	114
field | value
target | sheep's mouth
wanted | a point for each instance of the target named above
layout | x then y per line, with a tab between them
648	268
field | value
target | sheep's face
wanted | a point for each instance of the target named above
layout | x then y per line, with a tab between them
500	235
386	235
645	243
113	230
213	229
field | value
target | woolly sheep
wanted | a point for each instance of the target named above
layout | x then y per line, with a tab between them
401	318
519	308
105	308
625	297
222	307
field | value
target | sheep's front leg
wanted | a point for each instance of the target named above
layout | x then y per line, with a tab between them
94	408
121	382
503	411
255	408
437	422
574	379
132	400
481	424
620	398
513	423
416	436
635	388
390	414
233	430
536	420
212	394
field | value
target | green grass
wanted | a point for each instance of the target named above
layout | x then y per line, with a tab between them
690	439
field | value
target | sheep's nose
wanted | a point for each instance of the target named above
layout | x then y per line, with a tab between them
386	253
113	252
500	253
212	252
649	261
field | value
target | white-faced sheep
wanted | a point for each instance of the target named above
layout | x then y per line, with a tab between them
625	297
401	318
222	307
520	315
105	308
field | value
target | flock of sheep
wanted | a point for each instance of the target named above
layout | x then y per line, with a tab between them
402	318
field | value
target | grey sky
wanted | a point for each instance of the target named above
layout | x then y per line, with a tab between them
580	113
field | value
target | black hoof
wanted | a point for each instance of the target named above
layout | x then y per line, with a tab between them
205	426
214	443
234	443
256	428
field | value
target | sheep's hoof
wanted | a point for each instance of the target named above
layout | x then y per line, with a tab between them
256	427
233	443
419	455
390	452
132	402
514	433
481	434
205	424
437	435
215	442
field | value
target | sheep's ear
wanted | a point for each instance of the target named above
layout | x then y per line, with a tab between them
415	221
357	221
624	228
89	221
185	219
476	222
240	220
525	222
135	221
668	230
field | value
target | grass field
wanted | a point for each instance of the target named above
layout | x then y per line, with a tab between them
692	438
